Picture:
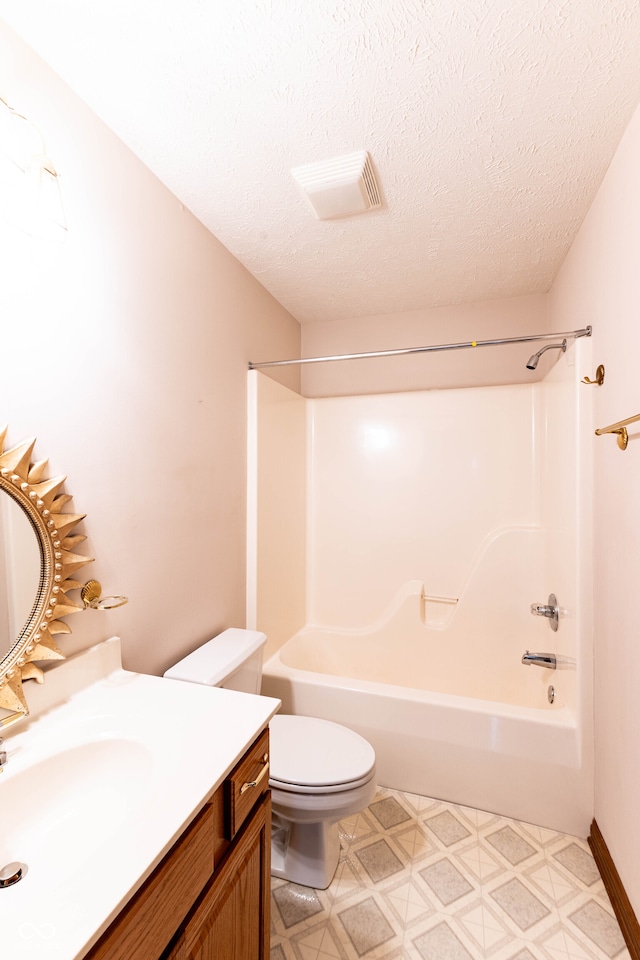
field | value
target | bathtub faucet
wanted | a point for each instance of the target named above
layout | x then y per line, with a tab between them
539	659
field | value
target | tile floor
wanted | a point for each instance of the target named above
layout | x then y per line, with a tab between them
425	880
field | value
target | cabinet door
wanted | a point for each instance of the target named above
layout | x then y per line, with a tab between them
231	919
149	921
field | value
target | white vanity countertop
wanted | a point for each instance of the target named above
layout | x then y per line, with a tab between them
97	789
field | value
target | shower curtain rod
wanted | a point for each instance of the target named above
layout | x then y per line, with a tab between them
570	335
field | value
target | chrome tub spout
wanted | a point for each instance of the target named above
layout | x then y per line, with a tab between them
539	659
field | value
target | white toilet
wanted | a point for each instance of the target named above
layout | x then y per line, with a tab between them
320	772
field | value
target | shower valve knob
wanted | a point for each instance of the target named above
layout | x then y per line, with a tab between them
549	610
541	610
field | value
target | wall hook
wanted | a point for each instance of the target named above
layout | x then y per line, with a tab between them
599	380
91	598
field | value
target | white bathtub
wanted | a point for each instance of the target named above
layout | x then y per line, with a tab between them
518	760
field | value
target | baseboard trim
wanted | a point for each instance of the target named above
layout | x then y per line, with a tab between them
617	894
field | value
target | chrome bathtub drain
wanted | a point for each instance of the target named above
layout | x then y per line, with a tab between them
551	694
10	874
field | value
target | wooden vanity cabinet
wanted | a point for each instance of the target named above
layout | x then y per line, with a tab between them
209	897
230	919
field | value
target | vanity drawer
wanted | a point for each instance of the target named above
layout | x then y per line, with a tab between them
246	784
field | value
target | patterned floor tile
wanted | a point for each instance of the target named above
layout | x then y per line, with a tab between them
446	881
541	837
478	861
484	926
447	828
282	950
408	903
389	812
420	879
346	883
600	927
524	954
379	860
366	926
560	945
511	845
296	903
319	943
478	820
416	804
554	885
441	943
357	828
520	904
414	842
580	863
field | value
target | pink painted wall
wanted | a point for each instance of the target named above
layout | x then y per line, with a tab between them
485	366
599	284
125	350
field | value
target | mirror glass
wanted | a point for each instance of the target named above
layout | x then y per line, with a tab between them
20	571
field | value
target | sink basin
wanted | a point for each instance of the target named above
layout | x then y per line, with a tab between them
71	802
100	782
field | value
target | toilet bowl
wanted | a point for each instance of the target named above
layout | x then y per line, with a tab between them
320	772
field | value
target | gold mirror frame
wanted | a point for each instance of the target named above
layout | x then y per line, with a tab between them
41	500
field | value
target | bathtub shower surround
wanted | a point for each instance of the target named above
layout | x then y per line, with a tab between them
432	521
515	760
425	638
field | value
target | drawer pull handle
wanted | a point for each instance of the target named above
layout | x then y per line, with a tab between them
261	776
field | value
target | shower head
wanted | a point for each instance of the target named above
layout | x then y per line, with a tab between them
532	362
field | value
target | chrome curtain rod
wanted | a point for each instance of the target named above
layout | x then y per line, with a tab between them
570	335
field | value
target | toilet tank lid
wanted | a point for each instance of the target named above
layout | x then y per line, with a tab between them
218	658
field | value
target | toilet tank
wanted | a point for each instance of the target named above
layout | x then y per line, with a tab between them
232	660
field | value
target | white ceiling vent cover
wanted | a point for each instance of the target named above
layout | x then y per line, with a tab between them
339	187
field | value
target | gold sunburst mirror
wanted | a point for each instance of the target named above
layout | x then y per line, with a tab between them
38	561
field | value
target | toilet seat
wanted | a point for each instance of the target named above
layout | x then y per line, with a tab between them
309	755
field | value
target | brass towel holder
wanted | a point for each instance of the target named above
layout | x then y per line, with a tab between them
92	599
619	428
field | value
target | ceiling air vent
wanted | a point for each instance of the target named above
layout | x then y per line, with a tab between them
339	187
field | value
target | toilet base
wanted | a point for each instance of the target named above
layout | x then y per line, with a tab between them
304	853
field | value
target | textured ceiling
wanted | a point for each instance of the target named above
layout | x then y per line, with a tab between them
490	124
